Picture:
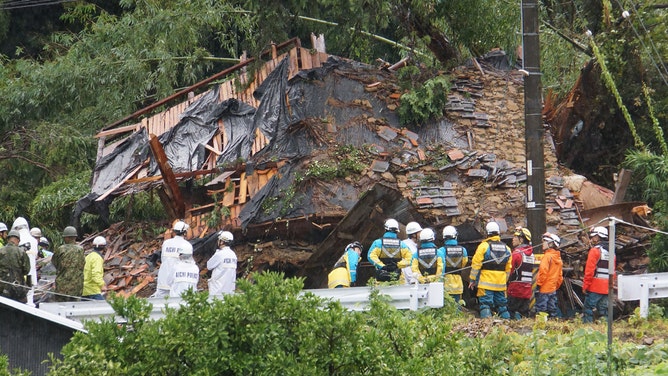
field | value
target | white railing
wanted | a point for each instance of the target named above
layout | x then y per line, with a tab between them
642	287
411	297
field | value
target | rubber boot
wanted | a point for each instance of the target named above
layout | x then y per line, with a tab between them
504	314
485	313
517	316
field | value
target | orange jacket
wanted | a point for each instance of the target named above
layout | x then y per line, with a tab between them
550	272
596	271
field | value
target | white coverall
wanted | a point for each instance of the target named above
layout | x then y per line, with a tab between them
26	238
186	276
168	258
223	266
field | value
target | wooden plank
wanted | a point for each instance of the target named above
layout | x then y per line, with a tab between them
621	185
212	149
293	64
306	58
243	188
171	186
228	197
253	181
127	128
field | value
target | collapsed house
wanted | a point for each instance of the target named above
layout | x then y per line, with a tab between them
306	154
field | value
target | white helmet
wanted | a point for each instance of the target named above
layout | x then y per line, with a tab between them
427	235
492	228
180	227
36	232
552	238
449	232
20	223
3	227
392	225
412	228
99	242
601	231
185	251
225	237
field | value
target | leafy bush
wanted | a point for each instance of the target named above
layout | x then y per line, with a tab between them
270	328
425	101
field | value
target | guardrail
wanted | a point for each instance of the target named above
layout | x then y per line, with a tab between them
642	287
411	297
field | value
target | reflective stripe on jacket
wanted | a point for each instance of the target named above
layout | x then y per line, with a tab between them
595	280
490	278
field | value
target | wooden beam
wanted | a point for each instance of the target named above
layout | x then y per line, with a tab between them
171	186
623	181
127	128
180	175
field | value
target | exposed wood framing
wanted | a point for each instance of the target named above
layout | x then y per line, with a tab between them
171	187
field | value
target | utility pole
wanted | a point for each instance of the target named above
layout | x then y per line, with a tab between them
533	121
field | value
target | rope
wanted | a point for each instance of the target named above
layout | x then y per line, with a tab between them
46	291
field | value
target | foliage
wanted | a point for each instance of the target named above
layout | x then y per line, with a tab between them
425	101
347	160
271	328
54	203
5	371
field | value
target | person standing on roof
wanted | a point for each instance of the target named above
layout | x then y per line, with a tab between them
169	256
595	283
223	266
344	273
186	273
94	270
521	278
490	269
3	234
29	244
455	257
388	254
426	264
14	269
412	232
69	261
550	275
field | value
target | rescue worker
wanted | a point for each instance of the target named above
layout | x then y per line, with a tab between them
45	269
36	232
169	256
388	254
3	234
94	270
411	241
521	277
550	275
344	273
455	258
595	283
223	266
490	269
14	269
186	273
29	245
426	264
69	261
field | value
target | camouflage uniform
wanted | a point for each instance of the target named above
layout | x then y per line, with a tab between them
14	266
69	261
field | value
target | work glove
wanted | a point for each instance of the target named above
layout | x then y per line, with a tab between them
390	268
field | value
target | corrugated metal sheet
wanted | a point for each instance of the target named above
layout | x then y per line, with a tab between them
28	335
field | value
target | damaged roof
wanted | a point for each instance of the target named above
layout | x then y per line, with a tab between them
297	145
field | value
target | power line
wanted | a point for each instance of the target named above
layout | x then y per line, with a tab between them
20	4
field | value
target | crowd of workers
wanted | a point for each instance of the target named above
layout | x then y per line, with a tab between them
507	281
25	260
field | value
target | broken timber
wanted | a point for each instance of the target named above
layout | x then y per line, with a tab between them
174	202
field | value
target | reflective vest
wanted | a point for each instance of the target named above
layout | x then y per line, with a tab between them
390	251
496	257
525	271
427	260
454	254
603	264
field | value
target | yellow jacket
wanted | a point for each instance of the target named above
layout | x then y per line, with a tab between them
489	272
93	274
